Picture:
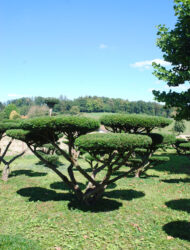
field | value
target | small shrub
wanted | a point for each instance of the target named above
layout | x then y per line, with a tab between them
179	126
14	115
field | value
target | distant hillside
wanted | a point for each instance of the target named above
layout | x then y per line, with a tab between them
89	104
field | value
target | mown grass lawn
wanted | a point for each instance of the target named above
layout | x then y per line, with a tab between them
147	213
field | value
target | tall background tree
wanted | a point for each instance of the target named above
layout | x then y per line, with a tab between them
175	44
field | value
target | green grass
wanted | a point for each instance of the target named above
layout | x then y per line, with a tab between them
148	213
96	115
168	129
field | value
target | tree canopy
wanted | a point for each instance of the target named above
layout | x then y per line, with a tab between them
133	123
104	152
175	44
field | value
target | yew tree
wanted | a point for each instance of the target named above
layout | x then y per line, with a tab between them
142	158
106	153
51	102
4	126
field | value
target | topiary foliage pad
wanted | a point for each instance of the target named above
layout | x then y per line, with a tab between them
133	123
111	141
44	130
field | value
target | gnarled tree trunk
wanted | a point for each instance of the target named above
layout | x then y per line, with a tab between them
6	172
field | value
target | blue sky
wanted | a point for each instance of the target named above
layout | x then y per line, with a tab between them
80	47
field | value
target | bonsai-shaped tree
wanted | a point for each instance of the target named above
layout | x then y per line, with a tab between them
4	126
182	146
142	158
185	148
51	103
109	151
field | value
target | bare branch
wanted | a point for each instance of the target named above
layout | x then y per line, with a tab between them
6	149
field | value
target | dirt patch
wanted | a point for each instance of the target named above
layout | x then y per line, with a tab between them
16	146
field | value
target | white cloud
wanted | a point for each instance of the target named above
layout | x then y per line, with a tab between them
148	63
103	46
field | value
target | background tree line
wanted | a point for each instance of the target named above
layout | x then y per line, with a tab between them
37	106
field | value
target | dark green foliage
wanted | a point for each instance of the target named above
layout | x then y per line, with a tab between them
135	161
140	150
161	139
174	44
107	152
185	148
133	123
67	124
44	130
159	159
181	145
179	126
185	145
93	104
138	124
18	134
8	124
110	142
180	140
51	159
50	101
8	109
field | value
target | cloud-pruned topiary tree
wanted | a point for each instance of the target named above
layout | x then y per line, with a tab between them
50	101
185	148
142	158
108	151
182	146
4	126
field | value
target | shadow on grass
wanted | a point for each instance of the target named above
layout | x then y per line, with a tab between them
112	185
103	205
62	186
185	180
177	164
43	194
143	176
181	204
127	195
58	163
27	173
178	229
17	242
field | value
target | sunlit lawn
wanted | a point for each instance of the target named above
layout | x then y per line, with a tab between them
38	212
